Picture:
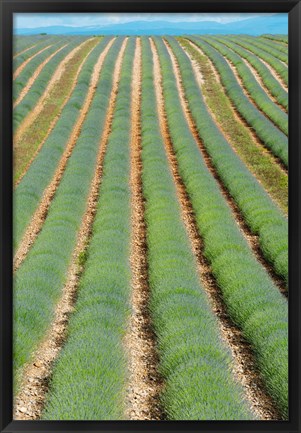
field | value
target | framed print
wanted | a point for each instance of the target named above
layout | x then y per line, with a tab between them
150	216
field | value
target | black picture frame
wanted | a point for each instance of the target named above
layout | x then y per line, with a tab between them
8	7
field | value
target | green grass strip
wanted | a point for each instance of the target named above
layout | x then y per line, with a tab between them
254	89
261	214
28	193
37	89
268	79
40	279
253	301
195	363
261	164
89	378
274	139
276	64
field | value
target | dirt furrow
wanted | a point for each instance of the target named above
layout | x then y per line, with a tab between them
243	365
32	115
34	76
30	402
40	214
251	238
256	140
54	121
22	66
144	382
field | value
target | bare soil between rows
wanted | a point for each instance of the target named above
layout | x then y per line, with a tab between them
30	401
22	66
33	114
244	365
257	141
49	107
34	76
251	238
41	212
206	84
145	383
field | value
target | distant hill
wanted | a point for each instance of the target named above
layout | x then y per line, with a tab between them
276	24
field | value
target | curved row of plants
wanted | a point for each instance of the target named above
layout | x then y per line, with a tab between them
28	193
261	164
33	136
271	47
276	64
261	214
253	301
21	43
46	265
195	363
254	89
270	82
275	44
271	136
22	79
35	92
280	38
31	51
92	365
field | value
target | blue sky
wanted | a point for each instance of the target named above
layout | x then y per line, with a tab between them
32	20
